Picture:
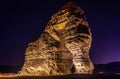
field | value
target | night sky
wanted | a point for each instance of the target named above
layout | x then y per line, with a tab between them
22	22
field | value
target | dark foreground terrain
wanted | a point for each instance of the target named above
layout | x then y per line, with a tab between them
72	76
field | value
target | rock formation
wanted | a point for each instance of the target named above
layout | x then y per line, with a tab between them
65	43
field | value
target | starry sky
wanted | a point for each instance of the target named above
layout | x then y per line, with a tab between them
23	21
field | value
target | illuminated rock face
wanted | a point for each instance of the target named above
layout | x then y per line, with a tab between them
65	42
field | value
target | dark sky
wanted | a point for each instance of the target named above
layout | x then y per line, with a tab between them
21	22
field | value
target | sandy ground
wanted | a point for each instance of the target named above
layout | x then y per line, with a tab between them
72	76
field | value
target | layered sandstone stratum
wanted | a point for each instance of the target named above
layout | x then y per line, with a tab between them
63	45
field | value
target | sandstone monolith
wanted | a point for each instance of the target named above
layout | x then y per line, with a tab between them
64	44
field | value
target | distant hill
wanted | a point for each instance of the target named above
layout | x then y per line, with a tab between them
113	67
9	69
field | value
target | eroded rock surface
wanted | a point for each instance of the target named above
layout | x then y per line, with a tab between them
65	42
